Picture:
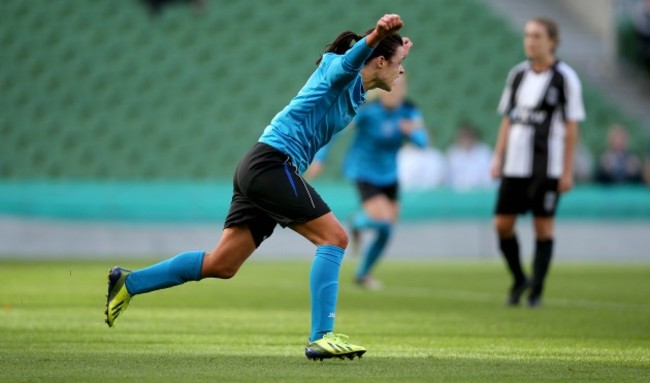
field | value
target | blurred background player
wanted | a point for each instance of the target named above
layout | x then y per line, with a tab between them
381	128
421	169
469	160
618	164
268	187
541	107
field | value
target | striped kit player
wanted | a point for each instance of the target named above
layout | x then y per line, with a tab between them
541	106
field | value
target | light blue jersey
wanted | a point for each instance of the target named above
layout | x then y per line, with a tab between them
372	155
324	106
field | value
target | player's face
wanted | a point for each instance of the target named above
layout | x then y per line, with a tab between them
396	96
392	69
537	43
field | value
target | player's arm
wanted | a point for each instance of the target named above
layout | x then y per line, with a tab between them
500	148
574	112
413	129
505	108
317	166
387	25
418	136
570	141
354	59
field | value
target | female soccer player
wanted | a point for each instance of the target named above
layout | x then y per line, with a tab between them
268	188
371	162
541	107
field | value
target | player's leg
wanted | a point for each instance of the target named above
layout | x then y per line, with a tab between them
234	247
327	233
544	207
542	259
330	239
246	227
362	219
509	245
285	196
382	213
510	202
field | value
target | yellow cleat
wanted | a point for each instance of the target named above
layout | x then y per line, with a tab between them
118	297
333	346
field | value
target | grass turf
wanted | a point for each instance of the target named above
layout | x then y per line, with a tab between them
434	321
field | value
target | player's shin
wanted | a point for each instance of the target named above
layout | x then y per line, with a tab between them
324	285
541	263
182	268
510	249
376	248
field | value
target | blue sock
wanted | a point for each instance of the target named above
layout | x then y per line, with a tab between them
376	248
324	286
361	220
177	270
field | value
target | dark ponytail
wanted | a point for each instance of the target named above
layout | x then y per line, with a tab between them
341	44
344	41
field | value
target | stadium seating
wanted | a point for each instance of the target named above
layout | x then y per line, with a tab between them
103	90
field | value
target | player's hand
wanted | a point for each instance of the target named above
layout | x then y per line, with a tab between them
407	126
565	183
314	170
388	25
495	168
406	44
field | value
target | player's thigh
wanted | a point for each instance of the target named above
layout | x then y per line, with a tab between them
324	230
235	246
379	207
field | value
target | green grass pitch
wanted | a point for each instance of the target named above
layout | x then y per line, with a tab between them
434	321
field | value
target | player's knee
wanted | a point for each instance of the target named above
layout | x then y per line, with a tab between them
543	235
337	237
227	272
544	228
503	227
214	267
221	272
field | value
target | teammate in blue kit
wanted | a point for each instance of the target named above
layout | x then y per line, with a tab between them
268	187
381	127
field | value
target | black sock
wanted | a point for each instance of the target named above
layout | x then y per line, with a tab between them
510	250
541	263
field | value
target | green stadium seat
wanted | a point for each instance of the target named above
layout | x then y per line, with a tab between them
103	90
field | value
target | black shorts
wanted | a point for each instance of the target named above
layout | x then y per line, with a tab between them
368	190
268	190
518	195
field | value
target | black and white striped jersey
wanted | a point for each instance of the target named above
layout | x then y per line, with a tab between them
538	106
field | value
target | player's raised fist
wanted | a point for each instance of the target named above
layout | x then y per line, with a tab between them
389	24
